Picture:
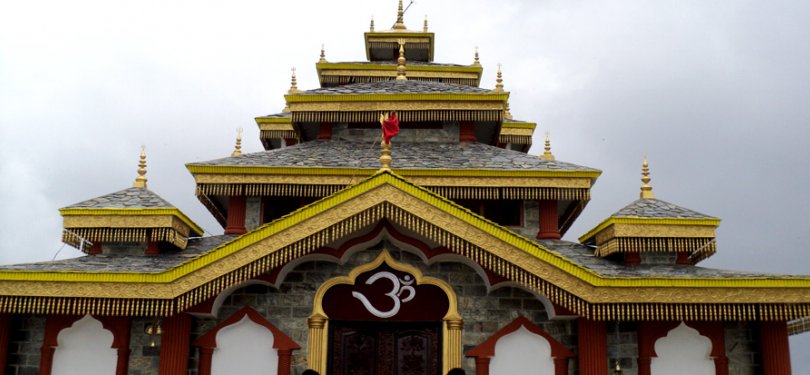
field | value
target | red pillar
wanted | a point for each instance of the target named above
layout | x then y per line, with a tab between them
466	132
95	249
284	361
5	333
646	349
482	365
548	221
592	337
205	361
174	345
151	245
237	205
325	131
775	348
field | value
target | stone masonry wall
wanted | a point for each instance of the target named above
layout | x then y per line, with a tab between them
24	345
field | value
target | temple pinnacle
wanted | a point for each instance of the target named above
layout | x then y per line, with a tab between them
140	181
646	188
323	54
293	84
476	62
425	28
499	80
237	150
400	25
371	27
401	61
547	155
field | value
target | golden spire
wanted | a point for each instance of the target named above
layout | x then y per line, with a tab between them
237	151
476	62
323	54
506	113
293	84
499	81
547	155
371	28
424	28
400	25
401	60
140	181
646	189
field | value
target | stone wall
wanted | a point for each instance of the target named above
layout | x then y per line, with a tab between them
742	349
24	345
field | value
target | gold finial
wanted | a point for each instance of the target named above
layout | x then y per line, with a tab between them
140	181
400	25
371	28
424	28
237	151
476	62
499	80
506	113
618	369
401	61
547	155
646	188
323	54
385	148
293	84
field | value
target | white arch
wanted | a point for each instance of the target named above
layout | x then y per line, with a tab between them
683	351
85	348
522	352
244	347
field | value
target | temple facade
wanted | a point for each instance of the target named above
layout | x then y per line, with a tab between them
436	253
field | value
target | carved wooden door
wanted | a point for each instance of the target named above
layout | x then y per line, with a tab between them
368	348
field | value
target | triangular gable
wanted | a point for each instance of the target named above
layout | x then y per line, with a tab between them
388	196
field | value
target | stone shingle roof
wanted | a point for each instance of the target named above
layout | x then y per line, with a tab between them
584	256
126	263
278	115
656	208
398	87
418	155
127	198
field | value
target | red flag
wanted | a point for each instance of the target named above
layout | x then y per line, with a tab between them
390	127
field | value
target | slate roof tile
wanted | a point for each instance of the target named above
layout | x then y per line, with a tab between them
128	198
656	208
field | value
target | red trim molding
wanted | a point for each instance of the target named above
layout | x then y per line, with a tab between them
650	332
484	352
174	344
592	344
281	342
775	348
5	333
118	325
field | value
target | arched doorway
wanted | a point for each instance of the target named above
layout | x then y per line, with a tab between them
385	317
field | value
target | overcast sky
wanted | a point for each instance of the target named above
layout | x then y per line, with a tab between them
715	93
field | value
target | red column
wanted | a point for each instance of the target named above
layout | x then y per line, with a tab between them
151	245
5	333
284	361
548	221
325	131
466	132
95	249
174	345
482	365
592	337
237	206
645	347
205	361
775	348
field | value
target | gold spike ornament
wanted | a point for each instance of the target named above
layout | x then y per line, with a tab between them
401	60
547	155
237	150
499	80
646	188
140	181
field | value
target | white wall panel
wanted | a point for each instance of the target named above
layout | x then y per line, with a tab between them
244	348
84	349
683	351
522	352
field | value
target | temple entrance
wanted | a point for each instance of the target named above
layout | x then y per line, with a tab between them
372	348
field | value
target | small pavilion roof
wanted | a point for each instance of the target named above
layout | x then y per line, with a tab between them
133	197
656	208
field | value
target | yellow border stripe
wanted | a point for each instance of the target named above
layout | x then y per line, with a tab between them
712	222
132	212
310	171
428	68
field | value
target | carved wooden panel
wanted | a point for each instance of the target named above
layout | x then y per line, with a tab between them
385	348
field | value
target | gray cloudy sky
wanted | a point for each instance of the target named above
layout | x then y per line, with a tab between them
715	93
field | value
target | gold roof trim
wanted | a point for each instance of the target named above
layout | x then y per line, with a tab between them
518	125
408	97
648	222
388	196
273	120
348	66
126	217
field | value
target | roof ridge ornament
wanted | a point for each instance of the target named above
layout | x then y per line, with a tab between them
237	150
547	155
400	24
499	80
293	84
323	54
401	61
646	188
140	181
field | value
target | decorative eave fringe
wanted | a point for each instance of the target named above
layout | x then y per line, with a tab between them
452	241
73	236
404	116
698	248
276	134
386	76
798	326
515	139
395	45
451	192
